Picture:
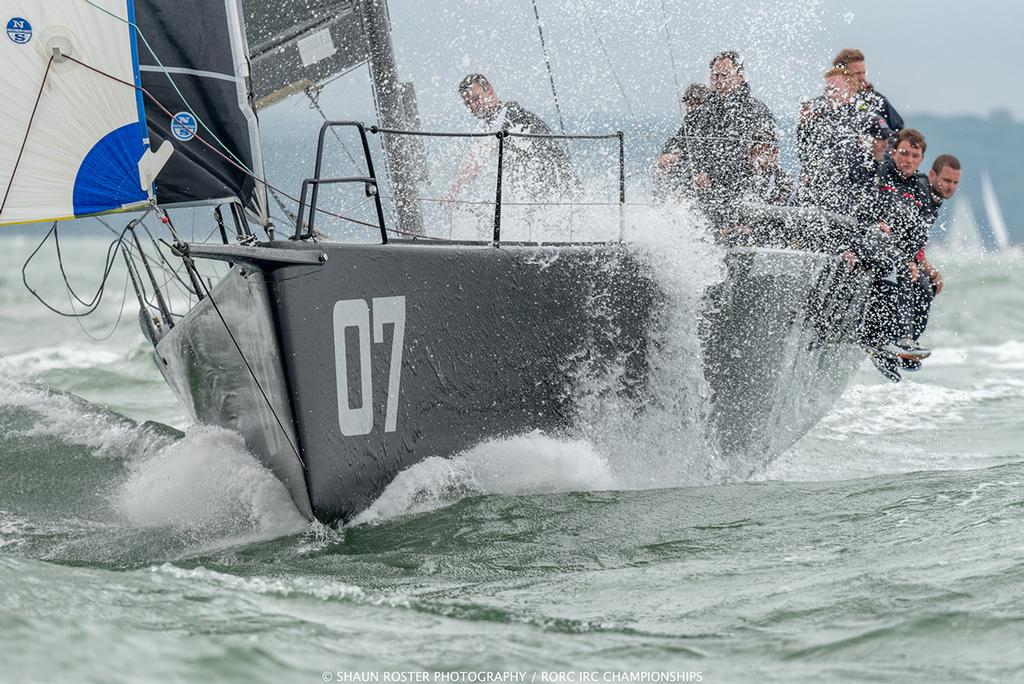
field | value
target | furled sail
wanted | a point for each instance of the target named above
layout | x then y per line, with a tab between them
194	64
72	138
296	44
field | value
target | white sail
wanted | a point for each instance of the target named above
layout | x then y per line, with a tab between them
71	139
962	234
994	213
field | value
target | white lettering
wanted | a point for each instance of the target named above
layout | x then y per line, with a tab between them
353	313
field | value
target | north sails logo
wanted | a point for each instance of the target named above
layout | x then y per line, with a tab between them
19	30
183	126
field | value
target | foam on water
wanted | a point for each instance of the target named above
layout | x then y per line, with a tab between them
323	589
76	421
204	488
207	482
30	363
526	464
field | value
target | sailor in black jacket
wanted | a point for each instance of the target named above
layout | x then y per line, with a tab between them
832	139
533	167
721	132
941	184
897	209
869	100
725	126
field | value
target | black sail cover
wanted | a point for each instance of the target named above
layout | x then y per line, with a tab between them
300	43
193	61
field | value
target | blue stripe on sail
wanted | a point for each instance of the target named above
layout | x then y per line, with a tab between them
109	175
133	41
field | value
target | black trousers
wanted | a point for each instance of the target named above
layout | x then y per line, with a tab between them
923	294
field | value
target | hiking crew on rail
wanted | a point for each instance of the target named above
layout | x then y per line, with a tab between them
858	162
857	159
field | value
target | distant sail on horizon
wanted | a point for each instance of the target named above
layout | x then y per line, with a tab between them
962	234
994	213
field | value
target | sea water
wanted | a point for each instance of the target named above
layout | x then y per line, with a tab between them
886	545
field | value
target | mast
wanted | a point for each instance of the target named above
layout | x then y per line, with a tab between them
396	108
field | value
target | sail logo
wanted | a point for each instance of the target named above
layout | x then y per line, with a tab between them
184	126
354	316
19	30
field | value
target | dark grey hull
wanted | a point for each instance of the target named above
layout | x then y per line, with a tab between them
389	354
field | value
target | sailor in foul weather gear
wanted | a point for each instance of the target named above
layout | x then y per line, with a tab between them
942	181
673	173
868	100
532	167
898	210
832	139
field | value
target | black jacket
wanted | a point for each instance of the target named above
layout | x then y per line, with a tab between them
537	165
834	154
876	104
902	204
721	132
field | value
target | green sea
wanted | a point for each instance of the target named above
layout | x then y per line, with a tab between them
886	546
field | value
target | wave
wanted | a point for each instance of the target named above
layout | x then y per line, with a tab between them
84	482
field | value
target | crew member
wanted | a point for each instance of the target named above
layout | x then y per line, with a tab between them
869	100
673	173
532	167
722	131
832	139
942	182
897	211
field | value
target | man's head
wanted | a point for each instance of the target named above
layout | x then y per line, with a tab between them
909	151
478	95
764	156
695	95
727	72
852	60
944	177
881	136
840	85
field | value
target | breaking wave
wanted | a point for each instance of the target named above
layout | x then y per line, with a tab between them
83	482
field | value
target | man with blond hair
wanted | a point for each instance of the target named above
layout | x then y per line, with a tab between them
868	99
833	146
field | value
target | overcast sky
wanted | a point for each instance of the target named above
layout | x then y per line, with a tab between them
938	57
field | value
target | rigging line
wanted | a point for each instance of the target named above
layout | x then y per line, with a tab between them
252	373
679	93
314	103
28	129
225	157
672	58
60	260
99	293
173	271
117	323
167	73
611	67
547	62
170	272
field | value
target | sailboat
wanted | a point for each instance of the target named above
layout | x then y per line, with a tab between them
994	214
963	236
342	364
